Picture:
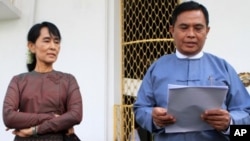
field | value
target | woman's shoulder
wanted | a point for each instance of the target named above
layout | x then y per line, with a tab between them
63	74
55	75
21	75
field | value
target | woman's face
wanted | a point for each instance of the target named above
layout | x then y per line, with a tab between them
46	48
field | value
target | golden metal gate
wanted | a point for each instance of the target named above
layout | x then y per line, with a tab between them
145	37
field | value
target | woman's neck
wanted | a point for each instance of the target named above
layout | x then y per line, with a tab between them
43	69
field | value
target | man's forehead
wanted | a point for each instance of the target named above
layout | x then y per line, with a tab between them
191	17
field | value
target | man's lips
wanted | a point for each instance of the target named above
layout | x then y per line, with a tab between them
190	44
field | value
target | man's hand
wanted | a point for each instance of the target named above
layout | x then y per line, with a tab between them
217	118
161	118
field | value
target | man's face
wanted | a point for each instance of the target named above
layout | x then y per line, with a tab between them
190	32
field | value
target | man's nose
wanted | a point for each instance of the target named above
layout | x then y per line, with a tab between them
190	33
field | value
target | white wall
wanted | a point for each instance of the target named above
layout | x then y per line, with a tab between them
91	50
229	31
84	53
13	53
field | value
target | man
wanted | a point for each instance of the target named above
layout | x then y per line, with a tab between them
190	66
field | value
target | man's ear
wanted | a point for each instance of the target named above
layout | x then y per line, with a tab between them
171	29
31	47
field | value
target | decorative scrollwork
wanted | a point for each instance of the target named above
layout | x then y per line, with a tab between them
245	78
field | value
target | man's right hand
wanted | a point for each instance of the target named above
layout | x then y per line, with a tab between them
161	118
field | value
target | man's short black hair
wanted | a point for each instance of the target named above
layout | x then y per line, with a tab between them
188	6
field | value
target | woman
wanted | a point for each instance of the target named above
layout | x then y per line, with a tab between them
42	104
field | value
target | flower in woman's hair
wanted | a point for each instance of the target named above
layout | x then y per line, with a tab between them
30	56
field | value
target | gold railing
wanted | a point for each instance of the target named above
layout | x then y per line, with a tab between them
144	38
123	123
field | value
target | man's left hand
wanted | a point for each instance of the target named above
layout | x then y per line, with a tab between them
217	118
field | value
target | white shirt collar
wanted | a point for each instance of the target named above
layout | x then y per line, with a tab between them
182	56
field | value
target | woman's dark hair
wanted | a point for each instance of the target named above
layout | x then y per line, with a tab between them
33	35
188	6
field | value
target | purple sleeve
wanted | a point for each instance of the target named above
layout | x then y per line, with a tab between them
12	117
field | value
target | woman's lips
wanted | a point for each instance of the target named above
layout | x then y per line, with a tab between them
51	54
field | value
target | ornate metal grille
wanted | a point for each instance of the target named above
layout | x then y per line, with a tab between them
145	37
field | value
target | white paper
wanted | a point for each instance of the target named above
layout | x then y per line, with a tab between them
187	103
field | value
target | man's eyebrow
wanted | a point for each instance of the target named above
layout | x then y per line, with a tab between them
199	24
182	24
